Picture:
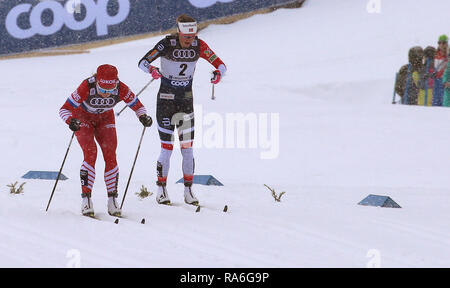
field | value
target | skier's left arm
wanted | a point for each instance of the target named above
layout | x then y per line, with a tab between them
209	55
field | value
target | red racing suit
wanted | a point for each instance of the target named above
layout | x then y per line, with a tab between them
98	122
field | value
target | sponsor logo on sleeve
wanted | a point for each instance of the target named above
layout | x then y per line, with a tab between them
207	52
128	95
212	58
75	96
152	55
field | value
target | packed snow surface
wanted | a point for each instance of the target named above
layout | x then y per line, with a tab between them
321	77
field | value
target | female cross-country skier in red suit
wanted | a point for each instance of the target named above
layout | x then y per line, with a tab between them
89	113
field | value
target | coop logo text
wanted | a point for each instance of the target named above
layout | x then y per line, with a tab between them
96	12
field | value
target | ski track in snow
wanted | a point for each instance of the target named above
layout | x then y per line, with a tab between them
340	139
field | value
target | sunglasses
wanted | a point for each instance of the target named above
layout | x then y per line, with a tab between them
105	91
188	37
441	42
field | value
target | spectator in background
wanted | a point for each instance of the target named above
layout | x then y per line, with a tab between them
440	65
446	81
427	85
409	78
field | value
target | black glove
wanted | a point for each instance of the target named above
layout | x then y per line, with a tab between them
74	124
146	120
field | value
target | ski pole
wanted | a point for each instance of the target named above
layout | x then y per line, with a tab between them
59	173
213	97
137	95
132	168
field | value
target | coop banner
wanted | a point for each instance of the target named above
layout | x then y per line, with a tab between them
35	24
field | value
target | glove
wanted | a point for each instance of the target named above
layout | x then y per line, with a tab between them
146	120
74	124
216	77
155	72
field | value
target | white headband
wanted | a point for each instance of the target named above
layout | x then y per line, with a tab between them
187	28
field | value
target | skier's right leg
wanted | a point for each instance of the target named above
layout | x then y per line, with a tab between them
162	168
164	112
85	137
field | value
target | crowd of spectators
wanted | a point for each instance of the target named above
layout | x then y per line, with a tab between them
425	80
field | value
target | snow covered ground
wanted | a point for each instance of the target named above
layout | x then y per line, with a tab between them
326	73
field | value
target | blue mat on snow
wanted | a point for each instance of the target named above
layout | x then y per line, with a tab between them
45	175
379	201
204	180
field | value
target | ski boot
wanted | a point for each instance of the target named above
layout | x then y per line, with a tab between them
113	207
87	208
189	197
161	196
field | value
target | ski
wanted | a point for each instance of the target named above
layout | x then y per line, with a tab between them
198	208
172	204
92	216
142	221
117	218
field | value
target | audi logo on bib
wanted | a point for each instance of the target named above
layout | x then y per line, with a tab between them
184	54
102	101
